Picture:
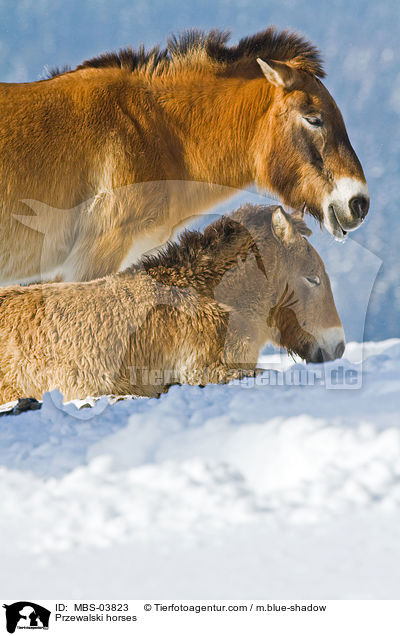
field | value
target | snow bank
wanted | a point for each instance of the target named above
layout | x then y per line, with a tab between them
198	460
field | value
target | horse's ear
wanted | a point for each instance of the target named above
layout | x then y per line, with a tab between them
278	73
281	226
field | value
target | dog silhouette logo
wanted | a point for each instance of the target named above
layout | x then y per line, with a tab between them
26	615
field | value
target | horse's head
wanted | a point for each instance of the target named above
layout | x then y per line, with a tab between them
289	297
304	315
303	152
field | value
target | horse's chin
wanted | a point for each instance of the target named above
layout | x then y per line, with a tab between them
333	225
305	353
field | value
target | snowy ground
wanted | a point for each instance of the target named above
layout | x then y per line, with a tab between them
239	491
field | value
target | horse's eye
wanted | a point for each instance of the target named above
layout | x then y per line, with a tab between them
314	121
313	281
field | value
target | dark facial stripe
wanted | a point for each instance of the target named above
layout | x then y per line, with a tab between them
304	143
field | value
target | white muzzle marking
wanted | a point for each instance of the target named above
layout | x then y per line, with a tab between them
330	339
338	216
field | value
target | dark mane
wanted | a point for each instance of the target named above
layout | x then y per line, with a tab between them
282	46
202	258
270	44
195	245
56	70
128	59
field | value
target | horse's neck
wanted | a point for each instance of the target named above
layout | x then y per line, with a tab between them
215	120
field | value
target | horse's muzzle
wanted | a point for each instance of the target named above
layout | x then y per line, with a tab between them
330	346
355	214
346	207
324	355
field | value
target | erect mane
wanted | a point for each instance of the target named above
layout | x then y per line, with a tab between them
190	46
282	46
201	259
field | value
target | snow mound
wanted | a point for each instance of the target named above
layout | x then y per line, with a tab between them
197	460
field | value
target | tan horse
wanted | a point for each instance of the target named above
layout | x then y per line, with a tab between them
198	312
198	111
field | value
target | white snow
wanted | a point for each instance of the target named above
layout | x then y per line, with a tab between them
227	491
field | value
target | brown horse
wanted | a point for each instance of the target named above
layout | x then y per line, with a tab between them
199	112
197	312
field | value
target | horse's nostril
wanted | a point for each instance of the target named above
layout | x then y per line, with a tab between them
359	206
339	351
319	355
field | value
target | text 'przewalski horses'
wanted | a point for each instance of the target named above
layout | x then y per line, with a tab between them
174	121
